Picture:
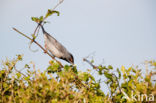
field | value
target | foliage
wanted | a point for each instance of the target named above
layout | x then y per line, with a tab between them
68	85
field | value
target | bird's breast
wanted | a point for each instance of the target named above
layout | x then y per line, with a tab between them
51	46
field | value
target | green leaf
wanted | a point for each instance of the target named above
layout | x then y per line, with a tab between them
92	61
51	69
46	22
110	67
71	96
66	67
108	76
2	73
130	84
119	73
97	85
33	18
36	19
124	85
92	78
19	57
27	66
108	81
86	77
18	75
50	12
27	78
74	69
100	93
133	70
129	69
33	35
100	70
123	69
41	18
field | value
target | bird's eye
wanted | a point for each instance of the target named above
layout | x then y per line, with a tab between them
71	60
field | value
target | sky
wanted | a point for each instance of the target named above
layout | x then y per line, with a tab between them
113	32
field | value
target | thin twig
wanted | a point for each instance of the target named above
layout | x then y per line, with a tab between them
38	45
20	72
84	59
22	34
37	28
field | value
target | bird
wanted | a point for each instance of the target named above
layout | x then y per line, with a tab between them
56	48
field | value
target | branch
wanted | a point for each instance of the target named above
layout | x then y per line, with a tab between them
20	72
37	28
95	67
38	45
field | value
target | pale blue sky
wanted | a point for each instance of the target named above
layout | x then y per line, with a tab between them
122	32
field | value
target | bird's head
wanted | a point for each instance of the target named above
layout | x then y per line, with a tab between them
69	58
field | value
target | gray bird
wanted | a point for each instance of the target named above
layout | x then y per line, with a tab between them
56	48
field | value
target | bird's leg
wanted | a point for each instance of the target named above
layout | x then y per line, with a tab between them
46	49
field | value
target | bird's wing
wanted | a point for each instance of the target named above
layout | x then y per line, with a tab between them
57	44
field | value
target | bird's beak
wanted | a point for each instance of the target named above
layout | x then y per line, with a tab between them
71	60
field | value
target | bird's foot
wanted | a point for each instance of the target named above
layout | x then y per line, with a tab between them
45	51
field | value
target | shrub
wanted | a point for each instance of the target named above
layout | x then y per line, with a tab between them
68	85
